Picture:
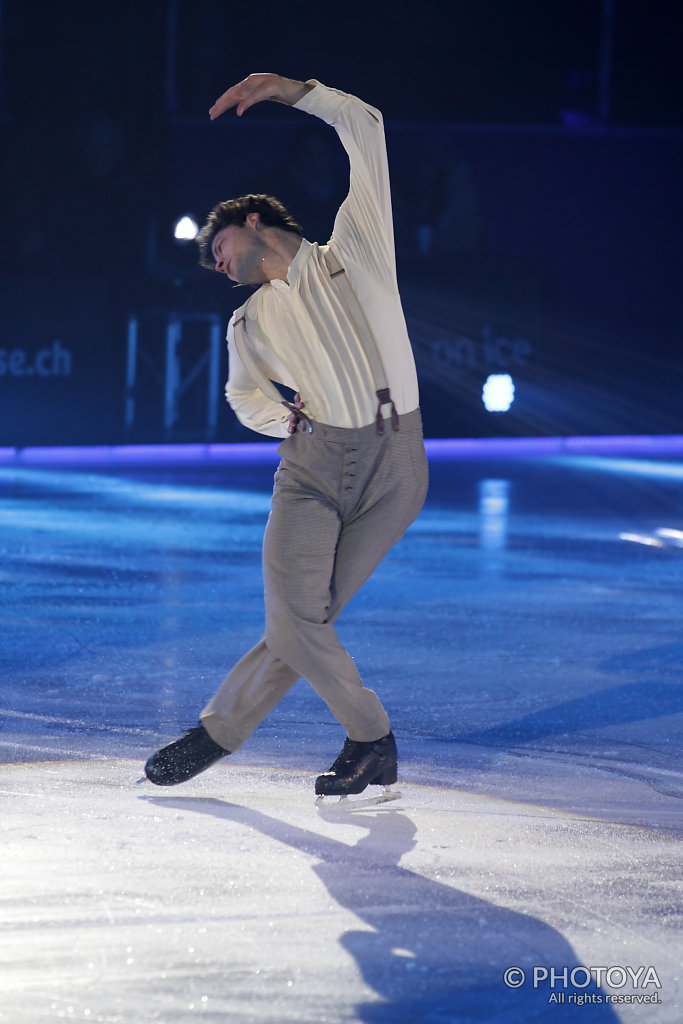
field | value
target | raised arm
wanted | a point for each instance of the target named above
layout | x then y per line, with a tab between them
363	229
257	88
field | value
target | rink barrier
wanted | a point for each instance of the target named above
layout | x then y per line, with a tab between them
437	448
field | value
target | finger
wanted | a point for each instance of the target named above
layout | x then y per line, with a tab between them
230	98
252	89
223	103
256	93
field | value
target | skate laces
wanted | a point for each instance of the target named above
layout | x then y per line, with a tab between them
208	742
348	755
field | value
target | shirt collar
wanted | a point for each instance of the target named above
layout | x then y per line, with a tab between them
294	269
297	264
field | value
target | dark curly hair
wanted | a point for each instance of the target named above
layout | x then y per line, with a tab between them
234	211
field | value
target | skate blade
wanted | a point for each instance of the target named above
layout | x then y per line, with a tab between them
348	803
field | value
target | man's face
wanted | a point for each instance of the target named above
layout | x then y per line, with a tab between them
238	251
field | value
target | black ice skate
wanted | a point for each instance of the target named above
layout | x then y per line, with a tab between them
184	758
361	765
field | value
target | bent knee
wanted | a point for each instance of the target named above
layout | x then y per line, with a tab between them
289	637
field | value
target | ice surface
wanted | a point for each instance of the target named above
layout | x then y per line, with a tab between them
526	639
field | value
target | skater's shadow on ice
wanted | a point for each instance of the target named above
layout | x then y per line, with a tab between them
435	953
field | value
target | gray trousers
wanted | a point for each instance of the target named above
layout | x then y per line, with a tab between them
342	498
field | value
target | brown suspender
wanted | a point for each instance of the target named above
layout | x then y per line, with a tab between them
357	316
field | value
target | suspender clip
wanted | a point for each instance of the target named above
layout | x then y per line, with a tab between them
384	398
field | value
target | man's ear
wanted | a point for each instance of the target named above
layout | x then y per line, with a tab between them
253	221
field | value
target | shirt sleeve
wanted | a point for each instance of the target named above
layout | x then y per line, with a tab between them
252	408
363	228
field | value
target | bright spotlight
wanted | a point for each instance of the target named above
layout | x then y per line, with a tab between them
185	229
498	392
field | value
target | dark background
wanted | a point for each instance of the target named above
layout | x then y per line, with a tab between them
536	157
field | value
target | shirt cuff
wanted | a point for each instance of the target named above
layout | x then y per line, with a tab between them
321	100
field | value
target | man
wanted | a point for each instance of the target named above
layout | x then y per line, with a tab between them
326	321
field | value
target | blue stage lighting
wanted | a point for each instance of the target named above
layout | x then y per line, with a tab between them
498	392
185	228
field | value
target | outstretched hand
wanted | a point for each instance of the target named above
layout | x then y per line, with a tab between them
255	89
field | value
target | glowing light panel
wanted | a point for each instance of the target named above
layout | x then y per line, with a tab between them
498	392
185	229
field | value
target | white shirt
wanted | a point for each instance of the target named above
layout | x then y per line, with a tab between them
299	332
